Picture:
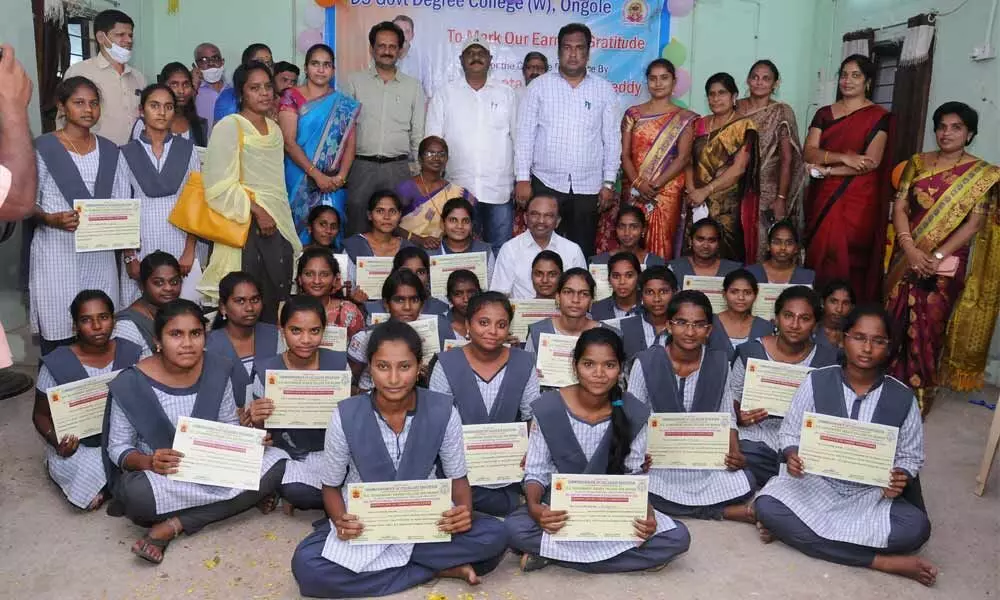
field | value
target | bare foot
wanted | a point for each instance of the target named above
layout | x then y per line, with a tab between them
96	502
464	572
268	503
742	513
765	536
287	508
913	567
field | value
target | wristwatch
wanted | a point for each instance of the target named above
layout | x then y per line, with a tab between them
939	255
608	185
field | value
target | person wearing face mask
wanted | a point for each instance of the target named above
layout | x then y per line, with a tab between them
210	80
119	83
228	101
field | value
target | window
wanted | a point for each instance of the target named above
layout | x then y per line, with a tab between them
886	56
78	31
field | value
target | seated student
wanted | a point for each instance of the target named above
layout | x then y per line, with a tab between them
382	239
302	322
630	231
75	464
416	260
589	427
657	285
366	442
737	324
145	402
323	224
574	295
462	286
704	260
838	301
796	313
783	253
839	521
687	376
546	269
403	295
623	275
491	383
160	280
318	275
457	223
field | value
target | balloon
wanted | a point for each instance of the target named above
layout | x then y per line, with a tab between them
683	84
313	15
897	174
680	8
326	3
308	38
675	52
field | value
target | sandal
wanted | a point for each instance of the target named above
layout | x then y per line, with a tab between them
143	549
533	562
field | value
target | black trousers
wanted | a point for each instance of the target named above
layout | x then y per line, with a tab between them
578	212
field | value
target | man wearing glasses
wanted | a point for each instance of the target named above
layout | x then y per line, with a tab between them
209	76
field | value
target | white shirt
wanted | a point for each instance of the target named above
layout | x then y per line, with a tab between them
512	274
479	128
568	137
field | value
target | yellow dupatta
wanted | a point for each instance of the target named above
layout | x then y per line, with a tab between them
425	220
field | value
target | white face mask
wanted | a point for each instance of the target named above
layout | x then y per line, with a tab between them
119	54
213	75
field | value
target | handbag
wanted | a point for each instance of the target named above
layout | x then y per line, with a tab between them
191	213
948	267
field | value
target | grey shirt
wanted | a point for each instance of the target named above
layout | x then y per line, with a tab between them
391	122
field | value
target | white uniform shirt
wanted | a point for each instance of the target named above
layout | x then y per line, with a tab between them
512	274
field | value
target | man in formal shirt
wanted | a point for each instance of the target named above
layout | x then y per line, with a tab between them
535	64
209	75
512	273
286	75
568	140
476	115
226	104
390	125
119	83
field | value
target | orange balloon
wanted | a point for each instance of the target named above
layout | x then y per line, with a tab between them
897	174
326	3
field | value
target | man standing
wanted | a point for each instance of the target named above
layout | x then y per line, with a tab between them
477	117
568	141
210	80
390	126
535	64
119	83
286	75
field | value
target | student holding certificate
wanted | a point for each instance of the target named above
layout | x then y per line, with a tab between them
73	463
414	259
630	232
318	275
685	376
457	223
704	261
384	237
623	278
657	286
574	296
781	266
589	428
737	324
302	322
838	301
366	442
796	314
462	286
879	527
491	383
546	269
146	402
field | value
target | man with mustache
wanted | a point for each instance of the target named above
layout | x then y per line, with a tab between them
390	125
476	115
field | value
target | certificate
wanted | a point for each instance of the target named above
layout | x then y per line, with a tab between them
770	385
600	508
457	343
711	287
444	265
689	440
848	449
304	399
494	451
600	275
106	225
529	312
78	408
555	360
218	453
767	293
379	317
400	512
344	262
427	328
372	272
334	338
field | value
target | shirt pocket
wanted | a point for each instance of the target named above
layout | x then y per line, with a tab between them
498	116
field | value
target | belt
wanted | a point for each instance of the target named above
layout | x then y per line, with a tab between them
383	159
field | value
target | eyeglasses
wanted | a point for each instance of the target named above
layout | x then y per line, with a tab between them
696	325
209	61
876	341
438	154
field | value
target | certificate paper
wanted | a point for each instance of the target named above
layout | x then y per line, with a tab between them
711	287
767	293
219	454
689	440
529	312
848	449
78	408
457	343
379	317
770	385
600	275
106	225
555	360
444	265
601	508
372	272
494	451
304	399
400	512
428	330
344	262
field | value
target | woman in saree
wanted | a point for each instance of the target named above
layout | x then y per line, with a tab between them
425	195
722	179
782	176
846	212
942	203
317	123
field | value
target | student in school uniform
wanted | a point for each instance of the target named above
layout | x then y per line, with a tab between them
73	164
384	236
684	375
75	464
302	322
457	224
737	324
414	259
318	275
782	255
843	522
630	231
623	278
656	287
797	311
838	302
145	403
546	269
160	280
323	224
574	296
462	286
491	383
705	259
589	427
366	442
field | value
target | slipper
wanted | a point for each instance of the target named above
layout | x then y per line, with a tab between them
141	548
533	562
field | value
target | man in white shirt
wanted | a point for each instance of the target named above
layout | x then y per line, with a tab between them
568	139
512	273
477	116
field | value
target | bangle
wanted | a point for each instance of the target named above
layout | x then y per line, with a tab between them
780	197
826	156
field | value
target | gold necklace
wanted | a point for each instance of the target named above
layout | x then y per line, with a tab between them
424	188
711	123
937	159
72	146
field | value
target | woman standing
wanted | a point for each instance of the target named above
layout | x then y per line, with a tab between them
944	200
847	211
73	164
722	182
186	122
737	323
631	235
457	225
160	279
574	296
318	275
244	182
782	175
317	124
425	195
779	264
